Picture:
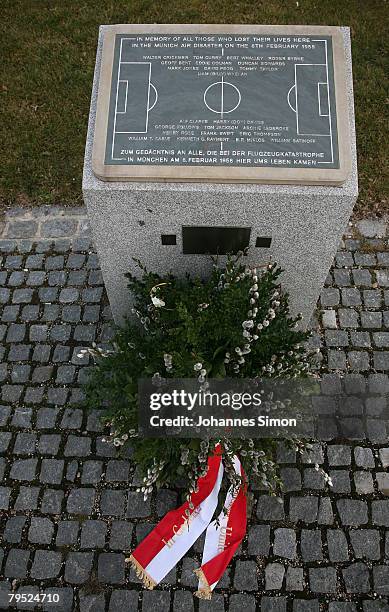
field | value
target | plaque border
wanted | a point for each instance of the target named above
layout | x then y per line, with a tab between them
221	174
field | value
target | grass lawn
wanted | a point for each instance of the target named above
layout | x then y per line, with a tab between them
48	54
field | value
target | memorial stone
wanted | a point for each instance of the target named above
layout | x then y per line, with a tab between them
213	139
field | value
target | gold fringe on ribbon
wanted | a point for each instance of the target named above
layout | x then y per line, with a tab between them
148	582
205	591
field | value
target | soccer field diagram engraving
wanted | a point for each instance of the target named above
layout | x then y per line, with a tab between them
222	106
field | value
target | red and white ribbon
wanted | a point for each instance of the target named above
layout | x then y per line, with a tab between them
174	535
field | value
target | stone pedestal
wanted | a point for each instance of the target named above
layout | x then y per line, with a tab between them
305	223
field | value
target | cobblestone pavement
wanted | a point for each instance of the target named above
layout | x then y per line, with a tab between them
69	511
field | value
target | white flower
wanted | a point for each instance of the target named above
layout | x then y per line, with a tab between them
158	303
197	366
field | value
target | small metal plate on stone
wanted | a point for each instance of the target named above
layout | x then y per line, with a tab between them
264	104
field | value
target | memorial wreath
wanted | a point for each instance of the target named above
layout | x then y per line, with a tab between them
234	323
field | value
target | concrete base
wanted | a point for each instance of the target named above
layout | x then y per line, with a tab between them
306	223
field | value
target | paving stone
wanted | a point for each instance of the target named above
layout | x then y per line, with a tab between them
16	332
365	543
339	455
11	393
16	564
384	456
77	446
313	479
56	278
41	353
14	529
111	568
24	469
50	311
72	471
72	417
165	500
348	318
36	278
38	333
78	567
24	444
329	297
294	579
311	545
93	534
360	339
380	512
20	373
118	471
91	472
285	454
342	278
337	545
5	412
274	576
381	360
27	498
303	509
128	600
363	483
188	577
356	578
363	457
49	444
9	314
46	418
22	296
381	579
52	501
19	352
92	603
61	353
273	604
322	579
156	600
112	503
341	606
372	298
93	419
4	498
67	533
284	543
340	481
71	313
382	278
60	333
351	297
5	439
136	506
237	603
80	501
291	479
375	606
359	360
383	482
381	339
352	511
336	359
305	605
270	508
121	533
52	471
259	540
41	530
